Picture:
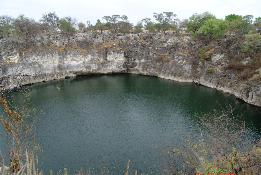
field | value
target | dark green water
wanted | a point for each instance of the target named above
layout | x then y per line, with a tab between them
101	122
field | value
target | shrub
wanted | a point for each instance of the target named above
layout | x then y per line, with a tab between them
237	24
66	25
138	28
26	30
50	20
252	43
205	53
211	70
6	26
212	29
197	20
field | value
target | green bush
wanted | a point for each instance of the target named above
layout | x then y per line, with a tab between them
66	25
206	26
252	43
257	22
211	70
212	29
205	53
197	20
6	26
238	24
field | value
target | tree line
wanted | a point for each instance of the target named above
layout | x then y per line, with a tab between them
23	26
203	26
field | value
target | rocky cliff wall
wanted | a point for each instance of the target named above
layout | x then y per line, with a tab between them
167	56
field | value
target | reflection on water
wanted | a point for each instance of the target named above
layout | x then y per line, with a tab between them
102	122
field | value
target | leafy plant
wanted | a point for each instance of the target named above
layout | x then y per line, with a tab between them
66	25
205	53
198	20
237	24
212	29
252	43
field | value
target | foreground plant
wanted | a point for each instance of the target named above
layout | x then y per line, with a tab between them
219	151
19	130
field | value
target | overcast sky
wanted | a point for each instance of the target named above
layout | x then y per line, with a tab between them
84	10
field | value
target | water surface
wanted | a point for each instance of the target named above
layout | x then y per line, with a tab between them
101	122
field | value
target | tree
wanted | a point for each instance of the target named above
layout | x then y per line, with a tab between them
165	21
257	22
51	20
26	29
100	26
197	20
123	25
66	25
149	25
6	26
81	27
138	27
212	29
248	19
238	24
252	43
233	17
118	23
111	22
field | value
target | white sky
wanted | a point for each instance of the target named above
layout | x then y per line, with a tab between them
91	10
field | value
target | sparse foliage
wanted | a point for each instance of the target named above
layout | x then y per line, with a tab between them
165	21
26	30
252	43
117	23
51	21
81	27
66	25
238	24
138	27
100	26
6	26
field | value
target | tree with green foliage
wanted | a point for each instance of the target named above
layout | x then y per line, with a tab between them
6	26
118	23
198	20
252	43
212	29
51	21
26	30
99	26
66	25
238	24
248	19
257	23
124	26
149	25
233	17
111	22
81	27
206	26
138	27
165	21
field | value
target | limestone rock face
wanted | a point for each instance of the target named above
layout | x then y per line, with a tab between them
165	56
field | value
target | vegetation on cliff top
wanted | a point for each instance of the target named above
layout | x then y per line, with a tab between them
203	25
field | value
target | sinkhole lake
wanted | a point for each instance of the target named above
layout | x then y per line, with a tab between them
101	122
